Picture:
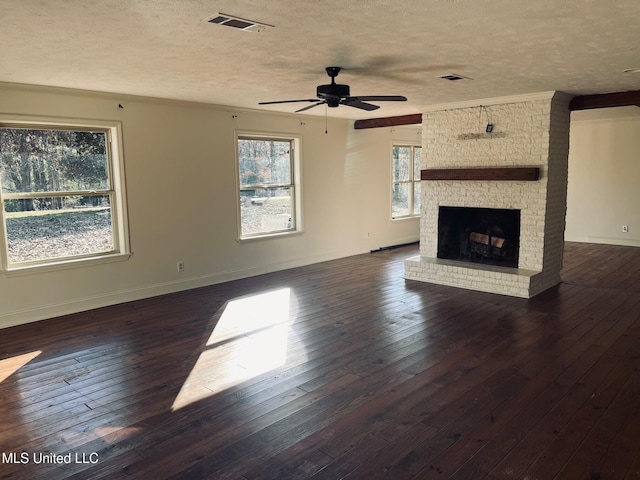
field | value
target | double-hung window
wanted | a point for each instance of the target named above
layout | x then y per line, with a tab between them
405	187
61	188
268	181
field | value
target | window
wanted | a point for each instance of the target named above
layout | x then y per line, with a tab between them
268	185
405	188
61	193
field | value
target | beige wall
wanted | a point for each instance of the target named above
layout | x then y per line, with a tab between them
604	175
180	172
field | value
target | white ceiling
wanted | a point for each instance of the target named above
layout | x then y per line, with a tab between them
166	49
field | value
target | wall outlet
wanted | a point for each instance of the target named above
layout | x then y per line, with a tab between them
180	266
625	228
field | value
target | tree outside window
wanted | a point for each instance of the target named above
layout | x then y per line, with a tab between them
405	188
267	185
58	195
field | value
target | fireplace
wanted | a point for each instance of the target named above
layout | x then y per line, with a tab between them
484	224
488	236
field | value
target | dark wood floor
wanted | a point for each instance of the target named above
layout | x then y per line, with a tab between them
336	370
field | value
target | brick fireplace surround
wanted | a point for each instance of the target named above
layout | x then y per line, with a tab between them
531	131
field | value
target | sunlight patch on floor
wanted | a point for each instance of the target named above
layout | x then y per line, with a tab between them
116	434
11	365
249	339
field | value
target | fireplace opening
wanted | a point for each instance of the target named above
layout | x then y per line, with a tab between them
481	235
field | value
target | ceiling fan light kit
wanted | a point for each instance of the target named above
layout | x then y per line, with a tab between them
335	94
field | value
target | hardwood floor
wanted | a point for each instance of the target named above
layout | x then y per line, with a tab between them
336	370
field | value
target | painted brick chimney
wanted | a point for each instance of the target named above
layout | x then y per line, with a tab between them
528	131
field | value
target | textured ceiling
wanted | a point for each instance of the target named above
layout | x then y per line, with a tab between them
166	49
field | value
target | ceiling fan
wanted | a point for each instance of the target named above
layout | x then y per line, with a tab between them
335	94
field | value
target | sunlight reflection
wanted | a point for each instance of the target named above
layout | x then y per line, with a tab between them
116	434
249	339
9	366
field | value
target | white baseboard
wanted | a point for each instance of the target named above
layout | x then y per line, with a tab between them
603	240
43	312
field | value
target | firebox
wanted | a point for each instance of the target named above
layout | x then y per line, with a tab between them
480	235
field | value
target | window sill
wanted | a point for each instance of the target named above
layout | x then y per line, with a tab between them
268	236
65	265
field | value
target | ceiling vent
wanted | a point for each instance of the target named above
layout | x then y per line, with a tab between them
453	77
239	23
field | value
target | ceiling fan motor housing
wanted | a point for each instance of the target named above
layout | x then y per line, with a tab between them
332	90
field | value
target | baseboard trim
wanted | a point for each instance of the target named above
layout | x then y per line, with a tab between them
44	312
603	240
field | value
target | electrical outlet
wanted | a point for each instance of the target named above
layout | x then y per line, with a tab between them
180	266
625	228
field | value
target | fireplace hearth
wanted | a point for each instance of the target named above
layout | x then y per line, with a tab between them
488	236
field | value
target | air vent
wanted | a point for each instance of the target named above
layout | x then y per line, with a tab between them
239	23
453	77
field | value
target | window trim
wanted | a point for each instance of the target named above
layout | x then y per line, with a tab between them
410	182
296	174
117	193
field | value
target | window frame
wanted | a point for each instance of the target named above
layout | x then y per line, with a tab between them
295	141
116	192
411	182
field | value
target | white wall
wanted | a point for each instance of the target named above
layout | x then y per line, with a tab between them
180	173
369	151
604	175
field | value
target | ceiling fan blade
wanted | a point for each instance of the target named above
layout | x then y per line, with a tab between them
334	94
381	98
355	102
310	106
289	101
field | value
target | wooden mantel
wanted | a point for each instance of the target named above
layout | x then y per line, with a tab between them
494	173
388	121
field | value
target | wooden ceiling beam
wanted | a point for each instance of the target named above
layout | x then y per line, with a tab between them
388	121
581	102
605	100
